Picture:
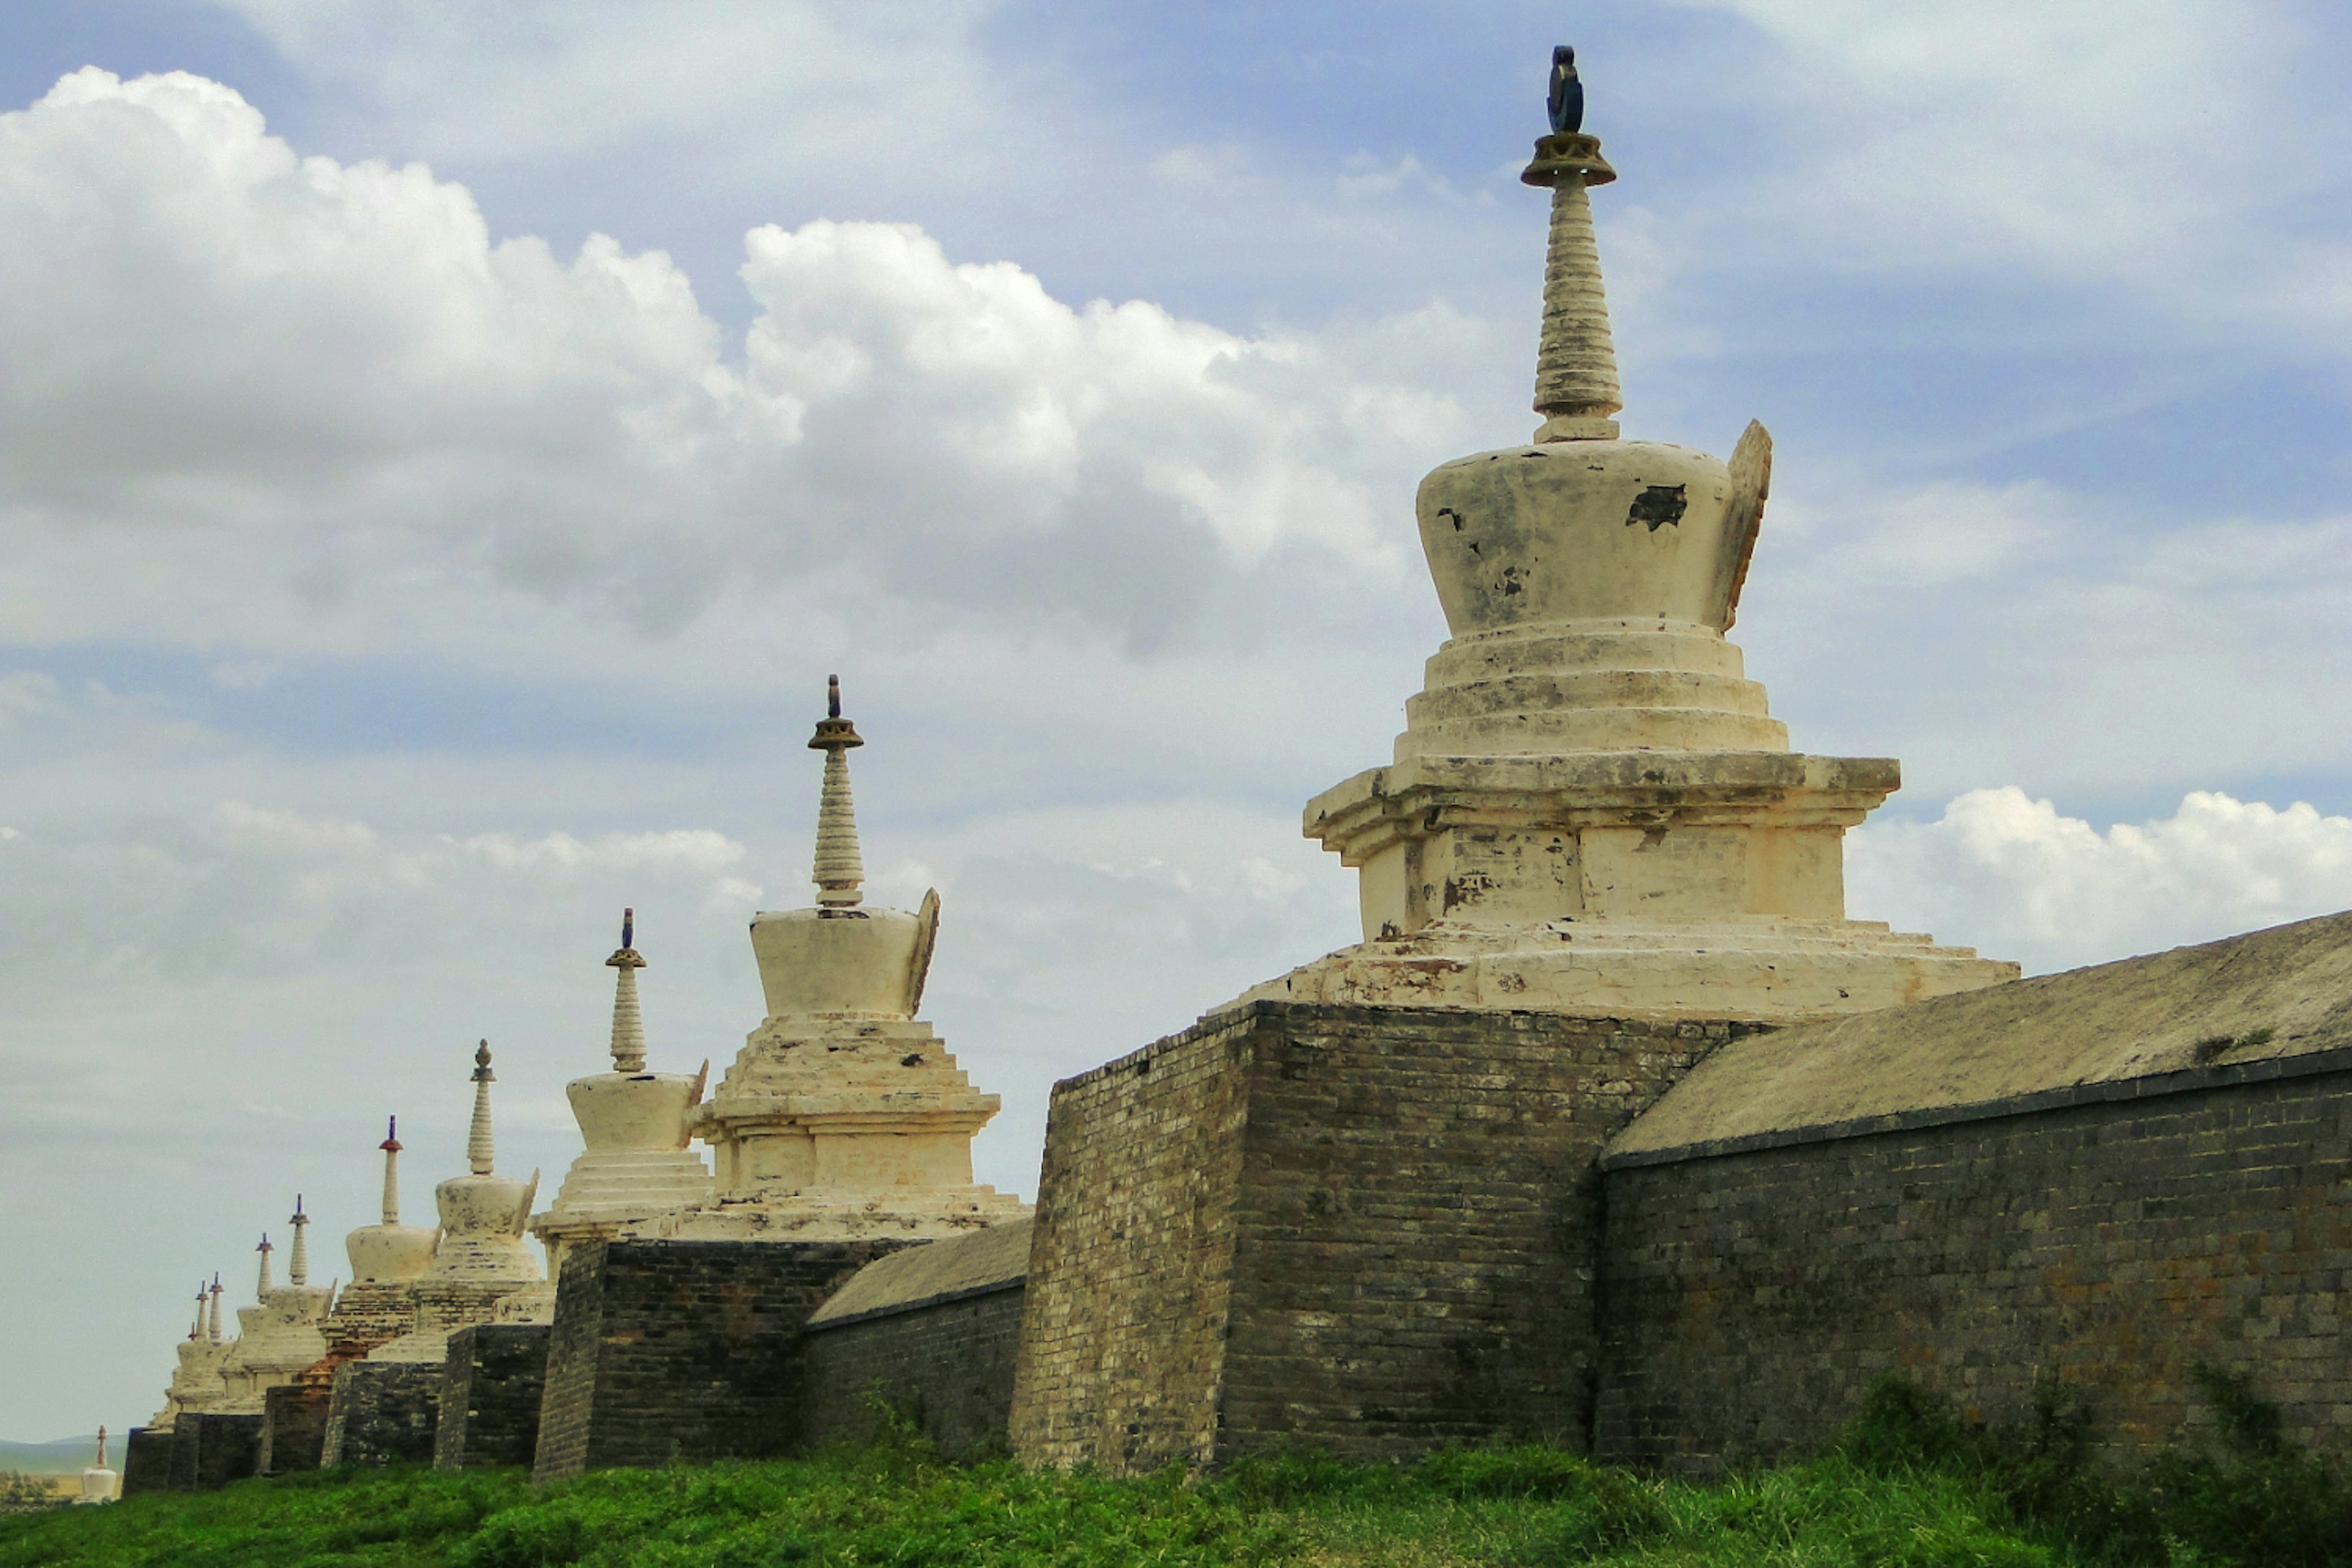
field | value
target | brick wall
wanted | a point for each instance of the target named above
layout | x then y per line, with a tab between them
682	1350
383	1412
1368	1228
491	1387
293	1426
210	1451
146	1461
948	1365
2111	1235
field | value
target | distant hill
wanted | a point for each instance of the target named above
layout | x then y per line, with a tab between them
61	1456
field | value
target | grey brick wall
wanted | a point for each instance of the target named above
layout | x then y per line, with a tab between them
947	1366
293	1426
682	1350
1751	1297
1370	1229
383	1412
491	1389
146	1461
210	1451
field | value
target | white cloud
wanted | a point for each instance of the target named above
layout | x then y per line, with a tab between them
296	405
2009	874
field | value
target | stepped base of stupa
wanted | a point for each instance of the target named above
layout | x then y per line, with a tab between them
1752	969
926	1214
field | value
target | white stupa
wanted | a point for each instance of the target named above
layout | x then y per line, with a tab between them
482	1255
387	1259
843	1116
1592	808
636	1166
196	1384
100	1483
281	1334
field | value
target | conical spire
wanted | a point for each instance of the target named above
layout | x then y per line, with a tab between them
1576	363
390	1147
198	1332
265	1249
481	1153
297	1268
628	1026
101	1450
840	874
213	1334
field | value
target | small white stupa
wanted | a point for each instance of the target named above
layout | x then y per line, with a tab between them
387	1259
1592	808
281	1333
100	1483
196	1384
636	1166
843	1116
482	1255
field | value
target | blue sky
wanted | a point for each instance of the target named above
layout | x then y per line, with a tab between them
426	519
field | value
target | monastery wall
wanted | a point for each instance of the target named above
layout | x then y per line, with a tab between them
946	1366
491	1387
1370	1229
2113	1241
682	1350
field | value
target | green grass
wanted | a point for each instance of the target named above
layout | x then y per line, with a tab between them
1909	1486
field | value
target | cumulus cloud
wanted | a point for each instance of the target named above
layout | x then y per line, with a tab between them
316	403
2014	877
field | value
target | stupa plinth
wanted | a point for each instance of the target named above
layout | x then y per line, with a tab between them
636	1166
483	1256
843	1116
1590	807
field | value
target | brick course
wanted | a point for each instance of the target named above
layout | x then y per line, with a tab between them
1751	1297
1370	1229
491	1389
947	1366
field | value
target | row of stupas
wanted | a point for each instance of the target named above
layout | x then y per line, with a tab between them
843	1116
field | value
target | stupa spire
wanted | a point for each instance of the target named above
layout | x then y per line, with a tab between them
840	874
1575	362
101	1449
262	1289
390	1147
297	1268
213	1334
197	1329
628	1024
481	1151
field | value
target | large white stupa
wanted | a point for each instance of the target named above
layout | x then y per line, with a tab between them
844	1115
1592	808
280	1333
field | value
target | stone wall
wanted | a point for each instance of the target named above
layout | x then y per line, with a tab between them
2111	1235
491	1388
294	1426
1372	1229
383	1412
146	1461
682	1350
945	1365
210	1451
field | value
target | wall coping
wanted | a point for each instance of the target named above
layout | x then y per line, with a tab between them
898	1309
2153	1086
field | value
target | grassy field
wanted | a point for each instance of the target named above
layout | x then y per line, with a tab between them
1907	1489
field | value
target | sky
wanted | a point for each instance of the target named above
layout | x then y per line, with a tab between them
444	449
